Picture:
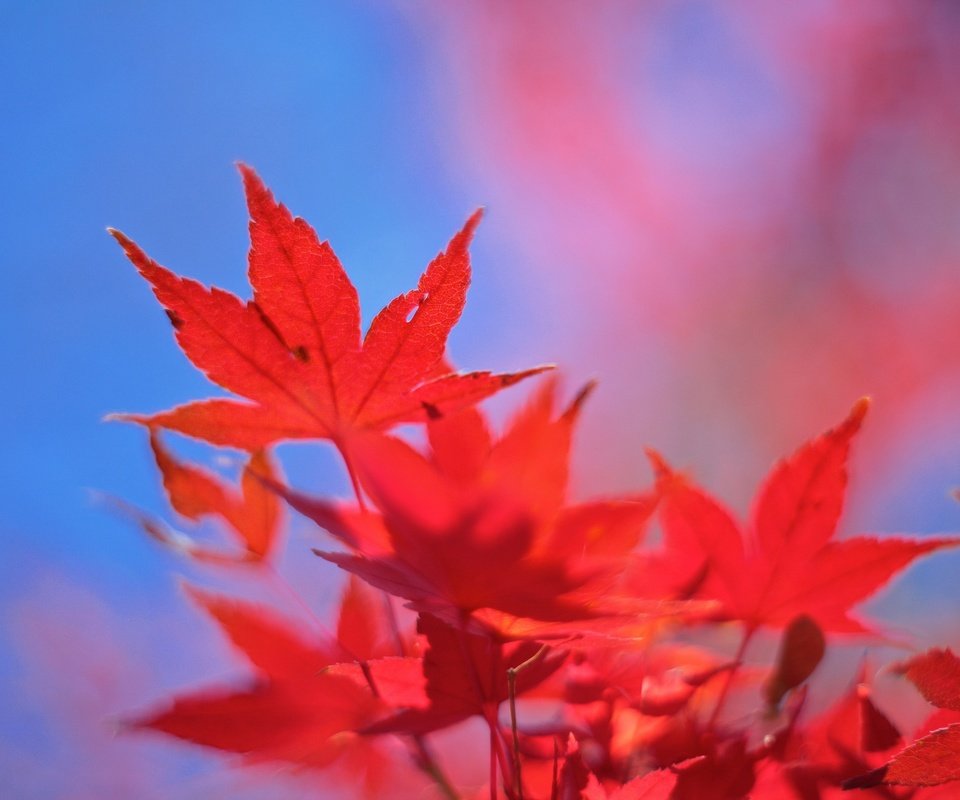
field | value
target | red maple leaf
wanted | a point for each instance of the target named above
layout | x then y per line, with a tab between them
853	735
252	514
785	562
294	352
577	782
935	758
293	710
466	675
305	705
656	785
482	524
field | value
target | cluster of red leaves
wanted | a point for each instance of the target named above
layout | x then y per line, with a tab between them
550	621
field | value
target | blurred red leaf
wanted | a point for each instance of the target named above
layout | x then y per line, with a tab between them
466	675
786	563
253	514
294	710
935	758
271	644
490	531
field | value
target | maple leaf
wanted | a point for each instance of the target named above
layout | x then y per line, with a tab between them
657	785
487	530
269	643
466	675
361	629
935	758
785	563
853	735
305	704
294	711
294	352
657	681
725	773
250	511
253	514
577	782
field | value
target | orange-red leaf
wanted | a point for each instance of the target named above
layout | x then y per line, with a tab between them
253	514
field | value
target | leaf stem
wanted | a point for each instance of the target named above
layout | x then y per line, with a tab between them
748	633
512	673
489	707
429	764
352	473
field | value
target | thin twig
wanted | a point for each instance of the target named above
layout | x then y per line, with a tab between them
512	673
731	673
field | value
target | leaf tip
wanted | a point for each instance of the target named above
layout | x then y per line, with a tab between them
121	238
573	410
474	219
469	228
120	416
133	252
201	598
251	180
858	412
661	469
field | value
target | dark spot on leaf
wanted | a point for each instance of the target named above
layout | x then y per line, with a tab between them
432	411
301	353
275	330
175	319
